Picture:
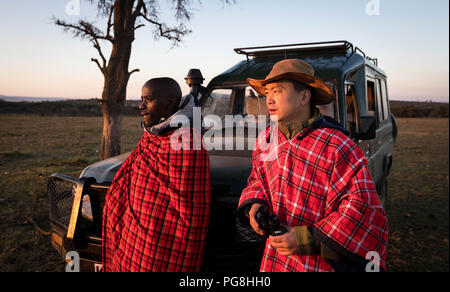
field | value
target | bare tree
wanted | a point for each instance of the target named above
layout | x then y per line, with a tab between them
124	17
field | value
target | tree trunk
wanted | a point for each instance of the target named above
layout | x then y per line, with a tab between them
111	137
116	80
113	100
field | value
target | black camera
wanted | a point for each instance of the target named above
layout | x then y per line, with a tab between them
269	223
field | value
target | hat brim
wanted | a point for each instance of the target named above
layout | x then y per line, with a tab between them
322	93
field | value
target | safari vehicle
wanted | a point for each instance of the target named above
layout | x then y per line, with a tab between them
361	105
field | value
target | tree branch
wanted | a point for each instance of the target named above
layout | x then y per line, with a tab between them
83	30
88	31
133	71
181	10
102	69
173	34
99	49
139	26
137	11
110	24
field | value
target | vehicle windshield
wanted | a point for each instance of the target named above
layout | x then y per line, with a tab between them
237	113
218	103
242	100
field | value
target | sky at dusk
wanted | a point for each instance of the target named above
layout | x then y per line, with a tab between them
409	38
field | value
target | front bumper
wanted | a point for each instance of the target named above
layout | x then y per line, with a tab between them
229	246
70	231
90	257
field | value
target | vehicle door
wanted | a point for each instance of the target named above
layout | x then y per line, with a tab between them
384	141
379	107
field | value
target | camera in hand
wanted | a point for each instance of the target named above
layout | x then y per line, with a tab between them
269	223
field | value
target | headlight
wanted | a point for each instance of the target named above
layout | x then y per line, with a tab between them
86	209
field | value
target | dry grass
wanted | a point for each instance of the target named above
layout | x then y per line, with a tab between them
418	198
33	147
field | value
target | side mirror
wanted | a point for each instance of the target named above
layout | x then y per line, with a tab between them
367	128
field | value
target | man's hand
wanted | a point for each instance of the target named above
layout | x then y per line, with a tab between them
285	244
255	207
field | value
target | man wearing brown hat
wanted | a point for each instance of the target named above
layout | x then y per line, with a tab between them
318	184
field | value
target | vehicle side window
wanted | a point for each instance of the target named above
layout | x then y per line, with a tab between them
350	97
379	102
374	106
385	99
371	98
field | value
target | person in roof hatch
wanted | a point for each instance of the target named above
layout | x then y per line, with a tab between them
156	214
318	183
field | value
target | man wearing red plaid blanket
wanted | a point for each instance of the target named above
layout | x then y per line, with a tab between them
310	174
156	213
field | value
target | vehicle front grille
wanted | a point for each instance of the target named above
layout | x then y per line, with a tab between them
60	198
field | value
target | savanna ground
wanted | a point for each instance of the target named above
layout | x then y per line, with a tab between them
34	147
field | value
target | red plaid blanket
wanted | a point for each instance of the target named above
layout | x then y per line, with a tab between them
319	179
156	214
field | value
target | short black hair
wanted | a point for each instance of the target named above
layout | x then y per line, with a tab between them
169	88
298	86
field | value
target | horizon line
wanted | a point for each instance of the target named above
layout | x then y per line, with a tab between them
406	99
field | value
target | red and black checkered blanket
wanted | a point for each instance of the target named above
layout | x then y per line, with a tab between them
157	209
318	179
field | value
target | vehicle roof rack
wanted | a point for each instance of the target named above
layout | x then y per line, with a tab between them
285	51
373	60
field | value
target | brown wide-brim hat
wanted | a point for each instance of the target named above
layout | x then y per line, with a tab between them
297	70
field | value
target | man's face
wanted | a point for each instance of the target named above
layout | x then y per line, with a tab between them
153	106
283	101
